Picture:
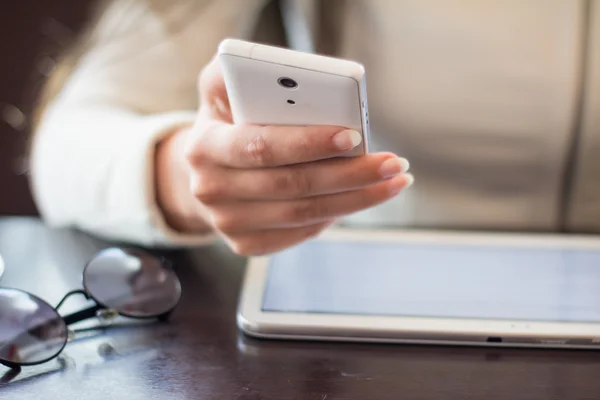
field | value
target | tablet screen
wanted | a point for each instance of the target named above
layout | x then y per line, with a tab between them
426	280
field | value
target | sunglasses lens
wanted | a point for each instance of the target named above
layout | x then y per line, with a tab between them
31	331
132	282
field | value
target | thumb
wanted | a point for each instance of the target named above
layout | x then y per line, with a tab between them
213	93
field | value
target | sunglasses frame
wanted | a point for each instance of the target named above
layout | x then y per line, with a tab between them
92	311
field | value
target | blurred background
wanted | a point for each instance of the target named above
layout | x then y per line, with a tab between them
32	34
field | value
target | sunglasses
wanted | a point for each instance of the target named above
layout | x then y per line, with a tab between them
126	282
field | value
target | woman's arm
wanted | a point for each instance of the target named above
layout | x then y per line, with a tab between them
94	151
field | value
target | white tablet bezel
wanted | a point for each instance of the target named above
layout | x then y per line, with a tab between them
256	322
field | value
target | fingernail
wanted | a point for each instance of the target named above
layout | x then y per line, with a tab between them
400	183
393	166
347	140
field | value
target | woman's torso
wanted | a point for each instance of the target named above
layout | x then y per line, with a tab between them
496	104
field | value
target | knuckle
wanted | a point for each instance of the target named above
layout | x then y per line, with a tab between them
304	145
259	151
194	151
207	189
194	155
294	182
189	154
306	210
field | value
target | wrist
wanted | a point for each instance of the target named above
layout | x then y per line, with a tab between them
173	197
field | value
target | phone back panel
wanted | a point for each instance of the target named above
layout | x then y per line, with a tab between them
320	98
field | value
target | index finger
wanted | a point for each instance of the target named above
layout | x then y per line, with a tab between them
253	146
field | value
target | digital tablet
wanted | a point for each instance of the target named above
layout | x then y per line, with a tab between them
428	288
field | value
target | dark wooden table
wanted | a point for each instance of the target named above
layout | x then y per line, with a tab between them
200	354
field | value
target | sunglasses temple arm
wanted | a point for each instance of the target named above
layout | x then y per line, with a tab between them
71	293
14	368
82	315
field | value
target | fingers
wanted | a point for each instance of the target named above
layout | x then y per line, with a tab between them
269	146
233	217
214	185
271	241
266	188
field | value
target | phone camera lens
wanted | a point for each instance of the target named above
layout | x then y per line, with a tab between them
288	83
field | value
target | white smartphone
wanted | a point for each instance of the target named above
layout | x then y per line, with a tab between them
430	288
270	85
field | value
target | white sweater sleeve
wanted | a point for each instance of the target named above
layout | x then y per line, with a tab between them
92	160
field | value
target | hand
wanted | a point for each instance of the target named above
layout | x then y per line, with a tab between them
265	188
